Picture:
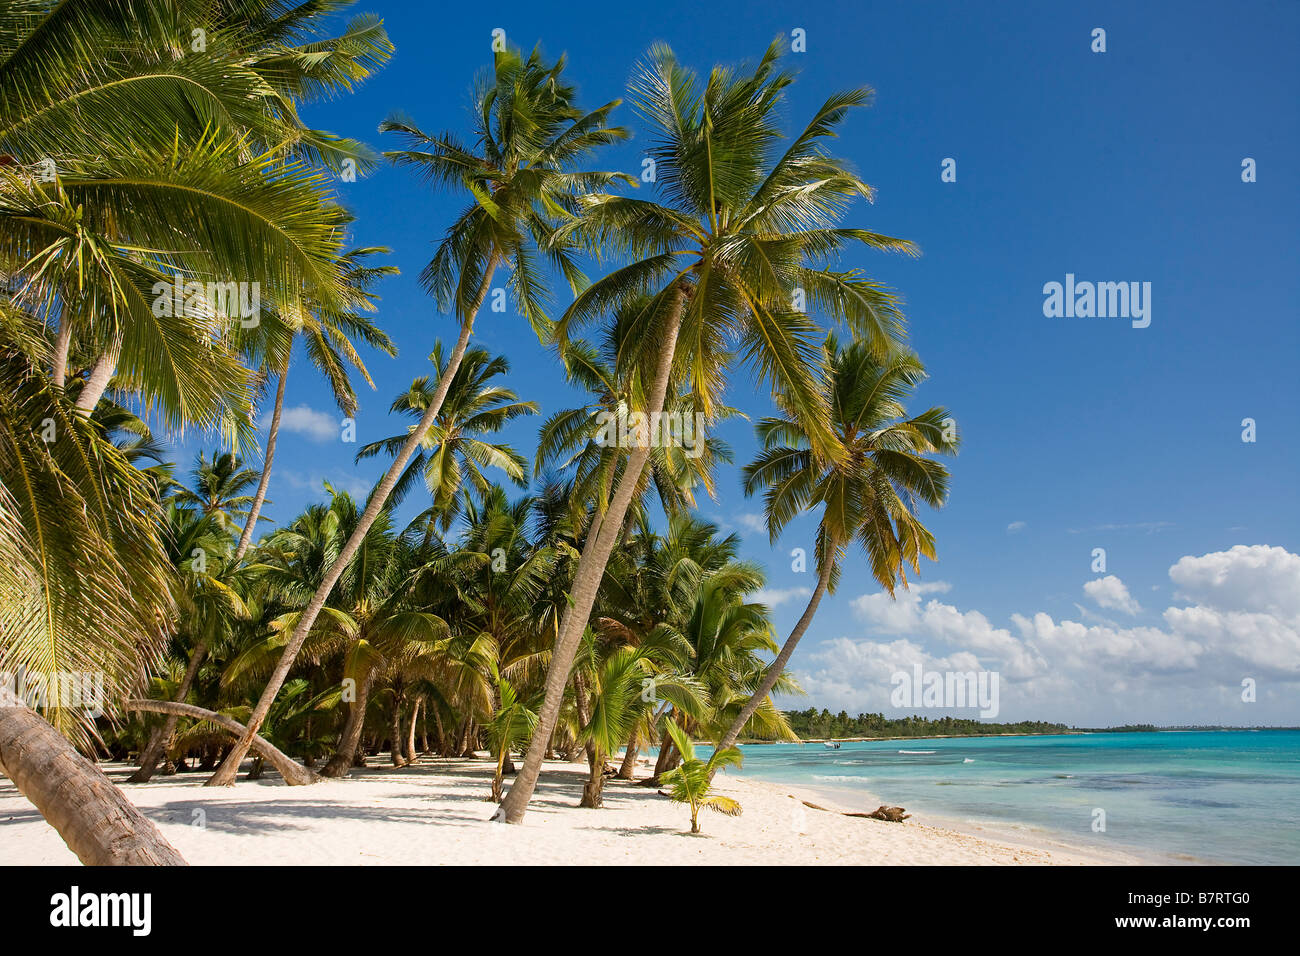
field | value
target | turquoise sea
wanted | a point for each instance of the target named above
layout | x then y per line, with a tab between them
1170	796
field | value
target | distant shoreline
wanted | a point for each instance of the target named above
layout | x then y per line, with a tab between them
850	740
1055	733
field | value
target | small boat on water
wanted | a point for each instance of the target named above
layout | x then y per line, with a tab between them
831	744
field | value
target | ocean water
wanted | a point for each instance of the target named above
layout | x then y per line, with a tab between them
1169	796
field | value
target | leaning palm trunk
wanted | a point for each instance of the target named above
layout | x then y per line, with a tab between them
778	666
627	769
345	755
95	820
161	738
667	760
225	775
586	581
246	537
293	772
410	732
62	345
100	375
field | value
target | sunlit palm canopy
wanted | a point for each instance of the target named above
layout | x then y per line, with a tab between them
520	173
455	450
748	228
871	495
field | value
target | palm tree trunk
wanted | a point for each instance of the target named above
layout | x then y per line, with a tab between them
225	775
246	536
586	581
500	773
584	715
395	729
439	734
345	755
59	358
778	665
627	769
410	733
668	759
294	773
97	383
469	746
162	737
595	785
94	818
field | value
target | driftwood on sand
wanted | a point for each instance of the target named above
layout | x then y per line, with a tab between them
891	814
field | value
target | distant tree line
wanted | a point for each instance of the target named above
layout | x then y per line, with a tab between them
812	723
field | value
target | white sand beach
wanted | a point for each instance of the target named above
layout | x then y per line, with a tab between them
435	813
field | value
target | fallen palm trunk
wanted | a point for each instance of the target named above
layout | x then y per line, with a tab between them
160	740
95	819
294	773
890	814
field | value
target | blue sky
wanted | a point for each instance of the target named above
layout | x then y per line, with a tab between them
1078	433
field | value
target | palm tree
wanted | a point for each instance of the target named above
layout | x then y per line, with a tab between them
367	619
691	781
617	680
327	334
870	495
513	721
139	164
330	337
84	587
742	235
209	602
218	488
576	441
142	155
501	582
453	451
529	135
726	635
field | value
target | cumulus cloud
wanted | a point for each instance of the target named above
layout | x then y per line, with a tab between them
305	420
1237	616
1111	593
752	522
1256	578
1015	527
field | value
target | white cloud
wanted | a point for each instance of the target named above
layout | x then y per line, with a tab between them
1243	578
1015	527
1111	593
752	522
930	587
775	597
1241	618
314	483
904	615
305	420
